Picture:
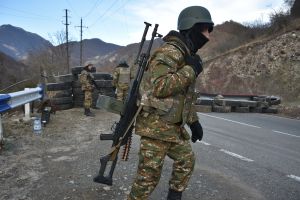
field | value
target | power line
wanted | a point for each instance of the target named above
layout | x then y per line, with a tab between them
73	8
26	12
96	4
28	17
106	17
104	13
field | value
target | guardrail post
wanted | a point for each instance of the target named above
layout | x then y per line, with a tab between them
26	109
1	132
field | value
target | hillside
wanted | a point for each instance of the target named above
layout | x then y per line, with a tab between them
269	66
18	43
128	53
90	48
54	61
12	71
226	36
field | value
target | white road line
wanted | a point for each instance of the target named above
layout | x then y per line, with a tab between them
297	178
230	120
236	155
205	143
283	133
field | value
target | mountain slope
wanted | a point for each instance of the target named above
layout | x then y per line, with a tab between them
17	43
12	71
90	48
224	37
128	53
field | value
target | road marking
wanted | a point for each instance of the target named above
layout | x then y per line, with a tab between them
205	143
297	178
283	133
236	155
230	120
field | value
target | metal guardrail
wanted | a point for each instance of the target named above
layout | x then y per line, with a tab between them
15	99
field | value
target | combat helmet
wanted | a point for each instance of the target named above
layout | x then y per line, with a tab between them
193	15
123	64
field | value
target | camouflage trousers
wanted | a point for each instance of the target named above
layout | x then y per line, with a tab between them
122	93
88	98
151	159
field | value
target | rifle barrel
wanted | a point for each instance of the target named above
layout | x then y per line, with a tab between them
142	42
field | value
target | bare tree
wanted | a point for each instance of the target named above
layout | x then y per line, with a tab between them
51	61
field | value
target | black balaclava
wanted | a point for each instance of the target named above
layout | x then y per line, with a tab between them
89	70
123	64
194	37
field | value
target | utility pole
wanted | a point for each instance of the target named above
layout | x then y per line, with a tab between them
81	40
67	40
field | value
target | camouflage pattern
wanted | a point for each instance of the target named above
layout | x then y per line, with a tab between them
133	70
152	153
87	87
86	80
88	99
121	80
167	95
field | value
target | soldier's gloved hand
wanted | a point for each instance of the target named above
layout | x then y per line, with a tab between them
195	62
197	131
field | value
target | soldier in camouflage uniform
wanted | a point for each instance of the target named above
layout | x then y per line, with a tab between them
121	80
168	95
86	80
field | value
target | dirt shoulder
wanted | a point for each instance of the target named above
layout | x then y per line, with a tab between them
60	163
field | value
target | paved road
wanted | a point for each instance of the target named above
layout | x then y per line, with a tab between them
258	154
241	157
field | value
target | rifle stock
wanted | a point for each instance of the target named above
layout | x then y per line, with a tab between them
124	127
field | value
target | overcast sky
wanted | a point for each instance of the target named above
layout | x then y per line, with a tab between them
122	21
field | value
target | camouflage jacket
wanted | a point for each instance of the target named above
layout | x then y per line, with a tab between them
86	80
121	77
167	93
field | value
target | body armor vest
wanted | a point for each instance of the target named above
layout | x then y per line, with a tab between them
174	109
124	75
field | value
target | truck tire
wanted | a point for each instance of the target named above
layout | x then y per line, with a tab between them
58	86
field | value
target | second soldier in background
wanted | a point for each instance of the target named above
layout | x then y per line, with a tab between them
87	86
121	80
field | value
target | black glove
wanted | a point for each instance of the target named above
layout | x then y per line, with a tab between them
195	62
197	131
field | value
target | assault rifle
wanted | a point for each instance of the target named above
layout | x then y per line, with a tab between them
95	84
123	129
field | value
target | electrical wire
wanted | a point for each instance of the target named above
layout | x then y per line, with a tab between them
116	10
17	83
26	12
96	4
73	9
27	17
104	13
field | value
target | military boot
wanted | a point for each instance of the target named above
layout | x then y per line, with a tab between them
88	112
174	195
